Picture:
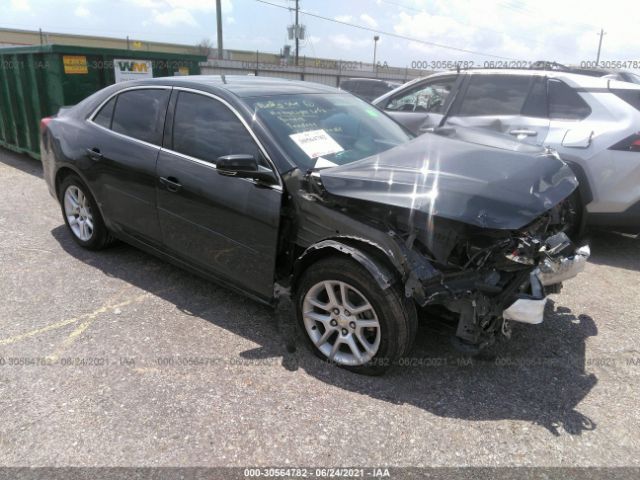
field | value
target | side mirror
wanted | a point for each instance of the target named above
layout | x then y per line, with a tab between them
243	166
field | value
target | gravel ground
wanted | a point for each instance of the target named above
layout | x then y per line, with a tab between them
118	359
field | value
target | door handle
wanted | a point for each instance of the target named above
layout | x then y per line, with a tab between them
94	154
171	183
524	131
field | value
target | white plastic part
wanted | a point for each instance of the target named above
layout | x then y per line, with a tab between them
526	311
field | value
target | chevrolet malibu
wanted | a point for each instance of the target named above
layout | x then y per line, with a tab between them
301	195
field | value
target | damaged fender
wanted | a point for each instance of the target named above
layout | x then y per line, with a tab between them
383	277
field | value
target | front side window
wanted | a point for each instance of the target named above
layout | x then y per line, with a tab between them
565	103
495	95
318	130
140	114
423	98
206	129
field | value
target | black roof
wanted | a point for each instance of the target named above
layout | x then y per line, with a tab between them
245	85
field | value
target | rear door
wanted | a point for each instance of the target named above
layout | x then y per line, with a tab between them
223	225
123	148
512	104
421	106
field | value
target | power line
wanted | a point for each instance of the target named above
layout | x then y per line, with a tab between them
389	34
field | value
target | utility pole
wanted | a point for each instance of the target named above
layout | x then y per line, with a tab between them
219	21
602	33
375	47
296	32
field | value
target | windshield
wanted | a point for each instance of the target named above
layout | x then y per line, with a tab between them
320	131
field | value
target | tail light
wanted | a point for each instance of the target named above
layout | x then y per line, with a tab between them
44	122
629	144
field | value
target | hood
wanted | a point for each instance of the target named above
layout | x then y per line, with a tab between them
478	185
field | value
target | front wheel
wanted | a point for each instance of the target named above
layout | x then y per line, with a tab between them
352	322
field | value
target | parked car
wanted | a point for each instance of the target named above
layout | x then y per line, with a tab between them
593	123
622	75
367	88
593	71
296	192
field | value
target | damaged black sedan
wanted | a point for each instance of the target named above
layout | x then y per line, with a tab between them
301	195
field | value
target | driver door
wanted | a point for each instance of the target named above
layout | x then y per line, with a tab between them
222	225
421	107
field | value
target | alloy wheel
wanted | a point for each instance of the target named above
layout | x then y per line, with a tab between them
341	322
78	213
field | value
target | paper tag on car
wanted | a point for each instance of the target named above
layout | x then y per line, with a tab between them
324	163
316	143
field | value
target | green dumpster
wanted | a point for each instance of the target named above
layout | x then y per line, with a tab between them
36	81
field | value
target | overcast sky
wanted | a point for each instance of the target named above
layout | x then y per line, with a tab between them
523	30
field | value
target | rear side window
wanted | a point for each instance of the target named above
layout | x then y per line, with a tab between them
140	114
565	103
103	118
495	95
206	129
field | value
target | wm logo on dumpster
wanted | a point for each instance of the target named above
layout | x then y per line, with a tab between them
131	69
141	67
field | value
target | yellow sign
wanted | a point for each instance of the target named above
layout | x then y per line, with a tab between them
75	64
183	70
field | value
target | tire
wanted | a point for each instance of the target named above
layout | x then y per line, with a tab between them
83	218
332	331
574	214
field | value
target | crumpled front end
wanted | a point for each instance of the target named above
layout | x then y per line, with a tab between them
551	272
488	278
472	235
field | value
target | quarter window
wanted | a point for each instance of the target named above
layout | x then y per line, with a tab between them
140	114
206	129
495	95
565	103
103	118
423	98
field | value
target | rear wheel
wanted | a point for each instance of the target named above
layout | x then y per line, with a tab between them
350	321
81	214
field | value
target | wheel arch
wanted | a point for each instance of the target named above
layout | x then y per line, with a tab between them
371	256
66	170
584	188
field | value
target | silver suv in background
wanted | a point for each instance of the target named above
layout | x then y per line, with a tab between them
593	123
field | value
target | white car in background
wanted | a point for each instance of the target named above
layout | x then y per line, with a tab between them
592	122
